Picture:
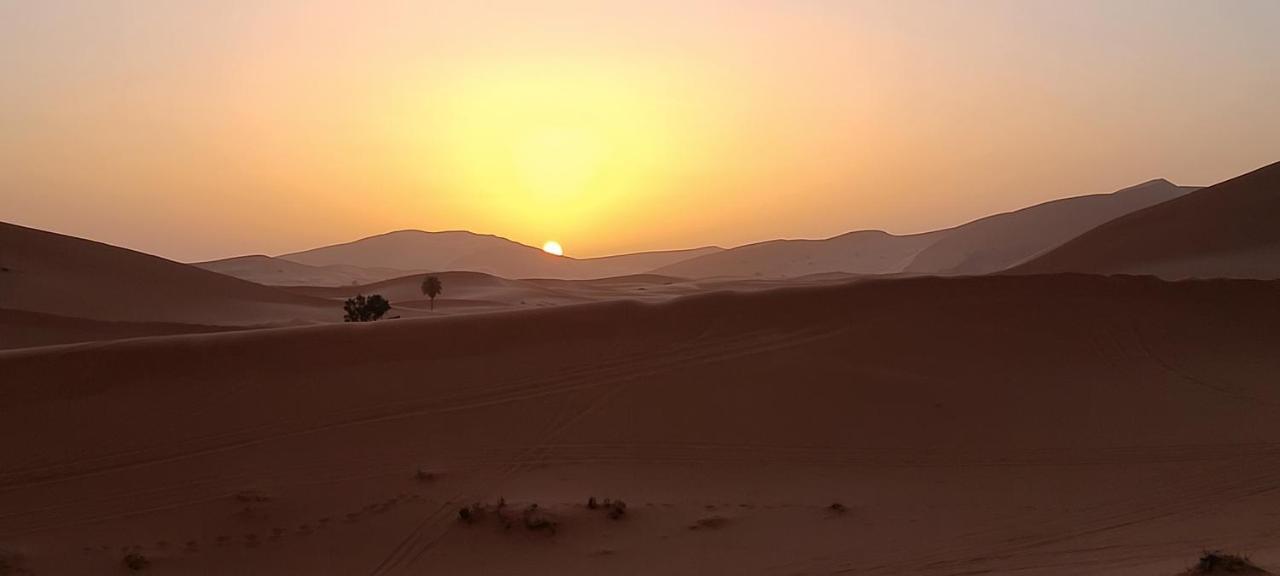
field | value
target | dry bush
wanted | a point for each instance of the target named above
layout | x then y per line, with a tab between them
135	561
1218	562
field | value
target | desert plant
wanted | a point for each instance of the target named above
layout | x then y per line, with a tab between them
432	287
365	309
135	561
536	520
1218	562
617	509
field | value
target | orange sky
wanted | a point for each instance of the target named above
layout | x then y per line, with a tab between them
197	130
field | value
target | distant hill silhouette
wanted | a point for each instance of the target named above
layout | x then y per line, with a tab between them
280	272
1001	241
862	252
1228	230
983	246
420	251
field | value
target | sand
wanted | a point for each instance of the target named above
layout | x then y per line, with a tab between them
1023	424
61	275
983	246
1227	230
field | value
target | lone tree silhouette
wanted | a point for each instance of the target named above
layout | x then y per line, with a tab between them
362	309
432	287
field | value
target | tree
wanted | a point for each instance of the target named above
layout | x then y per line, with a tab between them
432	287
362	309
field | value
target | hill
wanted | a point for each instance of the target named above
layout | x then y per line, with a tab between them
66	276
1228	230
419	251
1002	241
280	272
983	246
863	252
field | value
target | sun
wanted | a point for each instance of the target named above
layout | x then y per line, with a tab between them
553	247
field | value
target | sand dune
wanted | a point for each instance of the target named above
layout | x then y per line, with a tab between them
66	276
864	252
280	272
1028	424
1229	230
1002	241
19	329
983	246
419	251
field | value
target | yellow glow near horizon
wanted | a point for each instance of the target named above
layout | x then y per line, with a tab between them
553	247
615	126
540	150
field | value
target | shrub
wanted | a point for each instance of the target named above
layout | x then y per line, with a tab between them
535	519
1218	562
617	509
362	309
136	561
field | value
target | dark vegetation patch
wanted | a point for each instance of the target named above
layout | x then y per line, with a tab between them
1218	562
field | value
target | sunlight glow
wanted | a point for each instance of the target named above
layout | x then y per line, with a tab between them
553	247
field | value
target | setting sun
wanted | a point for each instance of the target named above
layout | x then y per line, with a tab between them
553	247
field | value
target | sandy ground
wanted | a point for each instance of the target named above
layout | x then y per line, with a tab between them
1029	425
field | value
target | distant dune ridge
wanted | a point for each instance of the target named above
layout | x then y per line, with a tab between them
983	246
419	251
280	272
1001	241
1228	230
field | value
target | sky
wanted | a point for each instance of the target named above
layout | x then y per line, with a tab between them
205	129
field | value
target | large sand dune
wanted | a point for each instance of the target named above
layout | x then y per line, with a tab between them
1001	241
862	252
1020	424
280	272
983	246
61	275
1229	230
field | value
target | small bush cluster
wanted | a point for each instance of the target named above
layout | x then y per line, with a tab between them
533	518
136	561
1218	562
11	563
365	309
614	509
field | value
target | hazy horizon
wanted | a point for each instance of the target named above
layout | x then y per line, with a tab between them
207	130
